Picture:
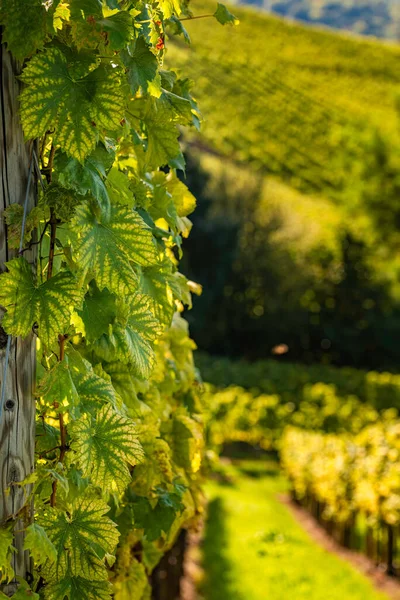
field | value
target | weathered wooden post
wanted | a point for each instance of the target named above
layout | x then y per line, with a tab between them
17	418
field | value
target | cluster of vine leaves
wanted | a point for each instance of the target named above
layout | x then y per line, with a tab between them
119	426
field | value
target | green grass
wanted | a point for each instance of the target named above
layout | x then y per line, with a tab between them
254	550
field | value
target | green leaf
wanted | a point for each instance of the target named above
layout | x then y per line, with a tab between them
179	29
24	592
132	582
65	93
13	216
158	520
25	24
98	312
162	135
109	242
155	283
49	304
185	202
162	143
61	13
78	588
119	28
156	468
6	550
128	386
119	188
151	555
92	389
104	446
41	548
63	201
82	537
169	7
141	65
187	442
73	384
179	107
132	342
224	17
87	177
180	287
58	389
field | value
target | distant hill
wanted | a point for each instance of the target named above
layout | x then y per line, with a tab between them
380	18
300	103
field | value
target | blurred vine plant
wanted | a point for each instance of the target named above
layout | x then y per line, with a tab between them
119	421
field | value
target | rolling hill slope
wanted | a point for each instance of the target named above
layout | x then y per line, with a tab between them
306	106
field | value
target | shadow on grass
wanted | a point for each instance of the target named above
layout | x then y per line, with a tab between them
258	473
218	583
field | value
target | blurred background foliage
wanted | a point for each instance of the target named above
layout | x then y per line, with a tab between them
296	235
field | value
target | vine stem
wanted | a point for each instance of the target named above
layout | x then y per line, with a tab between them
49	167
196	17
53	232
39	240
63	429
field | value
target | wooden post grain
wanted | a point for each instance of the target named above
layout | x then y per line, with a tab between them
17	422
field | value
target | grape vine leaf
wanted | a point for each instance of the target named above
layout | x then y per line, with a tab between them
159	118
128	386
24	592
93	390
62	201
41	548
170	7
185	202
58	389
66	93
6	549
110	242
119	188
73	384
132	582
225	17
180	107
82	537
61	13
156	467
132	342
98	312
104	446
26	27
119	29
187	442
78	588
178	28
162	136
13	216
87	177
141	65
155	283
158	520
49	304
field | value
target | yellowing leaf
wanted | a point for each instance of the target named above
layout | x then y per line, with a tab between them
110	242
104	446
70	93
49	304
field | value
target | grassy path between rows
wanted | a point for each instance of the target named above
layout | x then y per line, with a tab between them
253	548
